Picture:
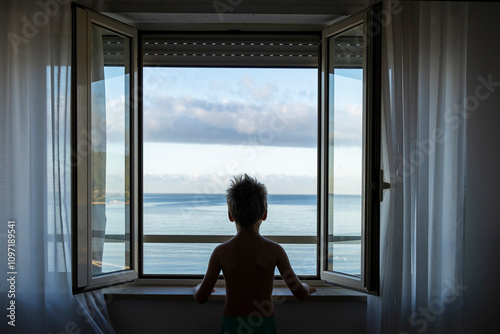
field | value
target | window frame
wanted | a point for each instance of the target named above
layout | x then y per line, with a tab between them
368	282
216	238
82	274
83	280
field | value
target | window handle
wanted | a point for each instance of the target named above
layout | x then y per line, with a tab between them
382	186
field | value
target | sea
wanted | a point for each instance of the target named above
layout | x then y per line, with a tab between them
206	214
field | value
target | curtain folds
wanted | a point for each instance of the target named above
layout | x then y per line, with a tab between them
94	307
35	189
35	173
422	217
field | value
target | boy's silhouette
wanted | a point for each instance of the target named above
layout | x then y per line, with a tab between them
247	262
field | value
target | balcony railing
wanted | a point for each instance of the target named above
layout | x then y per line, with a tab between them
217	239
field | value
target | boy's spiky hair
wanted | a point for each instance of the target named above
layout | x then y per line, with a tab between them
246	200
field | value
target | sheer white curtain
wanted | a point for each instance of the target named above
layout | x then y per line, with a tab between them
424	159
35	173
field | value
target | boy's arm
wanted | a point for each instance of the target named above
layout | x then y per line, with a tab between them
299	289
204	290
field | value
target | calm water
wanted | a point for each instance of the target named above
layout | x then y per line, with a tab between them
200	214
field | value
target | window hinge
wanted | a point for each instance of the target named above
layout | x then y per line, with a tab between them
383	185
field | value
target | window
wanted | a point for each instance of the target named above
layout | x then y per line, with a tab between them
214	123
215	105
206	119
105	155
350	154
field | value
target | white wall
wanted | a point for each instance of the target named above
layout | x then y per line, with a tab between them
187	317
482	225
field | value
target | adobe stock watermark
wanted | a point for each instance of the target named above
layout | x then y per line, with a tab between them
32	25
258	142
11	273
224	6
256	318
436	307
374	28
454	117
383	18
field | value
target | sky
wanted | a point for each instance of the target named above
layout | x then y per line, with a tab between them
203	125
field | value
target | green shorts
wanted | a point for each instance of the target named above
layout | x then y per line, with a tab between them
248	325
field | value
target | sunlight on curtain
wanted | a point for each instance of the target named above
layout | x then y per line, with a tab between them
35	172
422	218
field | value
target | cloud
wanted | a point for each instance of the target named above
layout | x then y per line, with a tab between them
115	119
347	126
186	119
244	114
262	93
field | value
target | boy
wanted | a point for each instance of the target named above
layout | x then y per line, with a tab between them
247	262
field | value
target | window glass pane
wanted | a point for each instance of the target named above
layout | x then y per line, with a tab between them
110	138
302	258
201	126
177	258
345	155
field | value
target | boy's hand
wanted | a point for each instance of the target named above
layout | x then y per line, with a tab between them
196	287
311	289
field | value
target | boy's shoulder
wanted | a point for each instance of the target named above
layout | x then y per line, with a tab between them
263	242
271	243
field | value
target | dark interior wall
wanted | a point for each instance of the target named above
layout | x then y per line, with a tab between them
190	318
482	225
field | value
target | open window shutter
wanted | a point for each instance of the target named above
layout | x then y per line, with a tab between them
105	179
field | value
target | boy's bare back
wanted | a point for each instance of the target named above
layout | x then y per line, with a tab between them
248	261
